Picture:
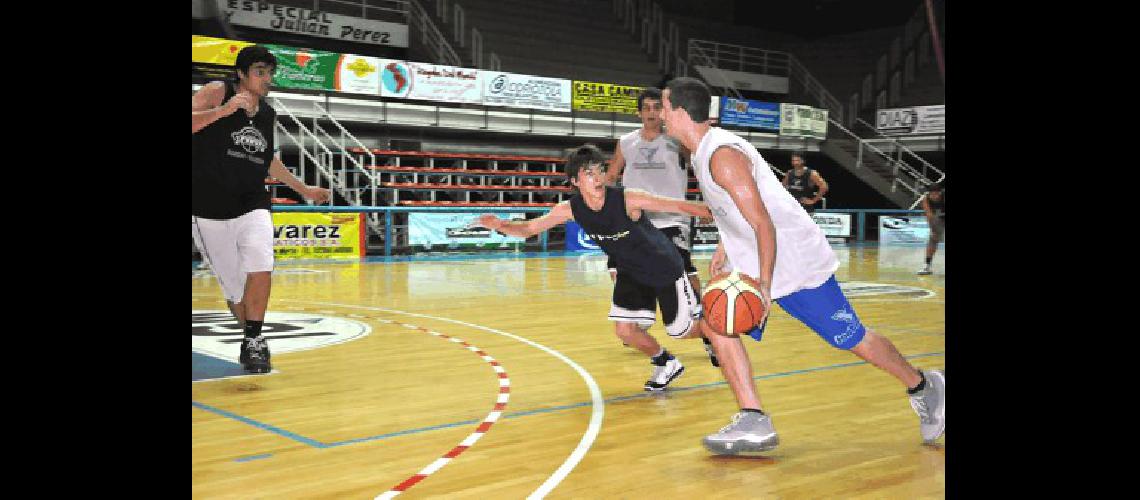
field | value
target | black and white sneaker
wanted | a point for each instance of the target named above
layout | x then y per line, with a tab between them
254	356
664	374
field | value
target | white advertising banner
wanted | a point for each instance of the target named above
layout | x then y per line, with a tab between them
833	224
912	121
525	91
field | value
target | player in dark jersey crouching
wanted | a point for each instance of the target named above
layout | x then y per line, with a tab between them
651	273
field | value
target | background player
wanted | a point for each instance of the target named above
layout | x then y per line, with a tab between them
805	184
934	204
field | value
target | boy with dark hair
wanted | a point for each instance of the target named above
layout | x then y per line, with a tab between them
650	270
232	154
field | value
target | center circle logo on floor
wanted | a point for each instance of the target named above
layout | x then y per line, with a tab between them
216	332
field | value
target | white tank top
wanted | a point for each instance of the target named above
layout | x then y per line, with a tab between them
655	166
803	257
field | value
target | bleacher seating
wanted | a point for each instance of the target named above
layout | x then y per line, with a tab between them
534	38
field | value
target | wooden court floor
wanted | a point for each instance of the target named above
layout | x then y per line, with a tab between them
502	378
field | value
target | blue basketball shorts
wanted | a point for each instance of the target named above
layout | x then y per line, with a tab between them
826	311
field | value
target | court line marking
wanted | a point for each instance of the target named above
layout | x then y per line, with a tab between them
569	406
596	400
501	399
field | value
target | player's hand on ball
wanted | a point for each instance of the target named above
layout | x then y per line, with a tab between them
716	266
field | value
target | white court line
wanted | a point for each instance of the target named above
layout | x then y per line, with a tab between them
597	402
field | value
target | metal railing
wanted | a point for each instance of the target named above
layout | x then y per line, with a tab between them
321	157
697	56
761	61
476	48
930	173
919	181
431	37
387	6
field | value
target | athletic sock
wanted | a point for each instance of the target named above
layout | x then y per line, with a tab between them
252	328
921	385
662	357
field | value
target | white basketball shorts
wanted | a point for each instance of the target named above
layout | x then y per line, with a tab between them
236	247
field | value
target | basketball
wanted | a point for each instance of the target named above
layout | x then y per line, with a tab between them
732	303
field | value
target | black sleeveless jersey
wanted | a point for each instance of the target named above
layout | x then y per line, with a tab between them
230	161
638	248
801	186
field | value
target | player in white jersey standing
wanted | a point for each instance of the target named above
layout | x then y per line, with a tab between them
766	234
649	160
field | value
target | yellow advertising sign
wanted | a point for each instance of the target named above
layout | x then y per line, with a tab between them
216	50
605	97
304	235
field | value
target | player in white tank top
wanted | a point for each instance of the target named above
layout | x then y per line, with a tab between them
765	233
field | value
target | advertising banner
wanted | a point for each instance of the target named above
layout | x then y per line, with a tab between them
211	50
305	235
525	91
434	82
451	230
358	74
913	120
749	113
903	230
605	97
305	69
302	21
833	224
799	120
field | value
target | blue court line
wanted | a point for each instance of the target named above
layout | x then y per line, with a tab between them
259	425
318	444
253	457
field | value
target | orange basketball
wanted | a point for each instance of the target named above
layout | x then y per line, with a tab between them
732	303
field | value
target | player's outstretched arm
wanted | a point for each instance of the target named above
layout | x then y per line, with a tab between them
731	170
636	199
278	171
525	229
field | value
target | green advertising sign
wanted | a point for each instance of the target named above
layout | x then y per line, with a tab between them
304	69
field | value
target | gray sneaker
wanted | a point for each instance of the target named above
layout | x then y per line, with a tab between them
748	432
664	374
930	405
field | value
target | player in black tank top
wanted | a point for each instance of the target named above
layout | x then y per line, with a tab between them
635	246
232	154
934	204
650	270
807	186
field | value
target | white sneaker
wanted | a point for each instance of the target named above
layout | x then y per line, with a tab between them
925	270
662	375
748	432
930	405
